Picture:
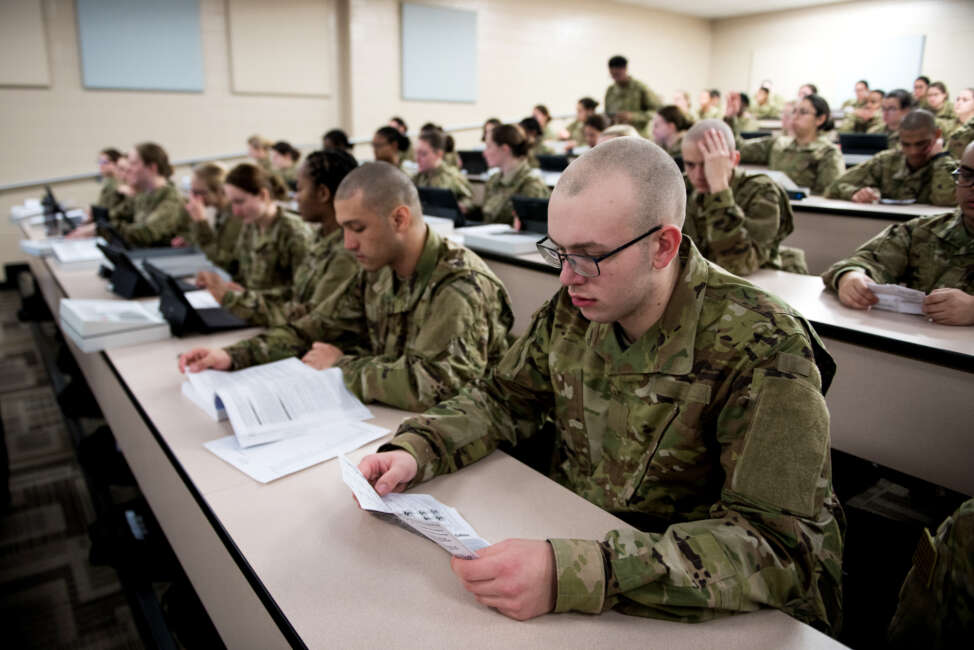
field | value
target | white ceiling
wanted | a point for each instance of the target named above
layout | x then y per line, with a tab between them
726	8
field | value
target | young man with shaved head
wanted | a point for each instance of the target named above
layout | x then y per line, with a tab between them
930	254
737	220
682	399
421	318
920	169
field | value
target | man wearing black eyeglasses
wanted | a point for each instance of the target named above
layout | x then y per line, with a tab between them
676	396
931	254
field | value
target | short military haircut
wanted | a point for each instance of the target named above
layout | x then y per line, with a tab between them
384	188
656	181
877	91
863	82
588	103
597	122
714	93
618	61
111	153
919	120
745	100
925	79
699	130
903	97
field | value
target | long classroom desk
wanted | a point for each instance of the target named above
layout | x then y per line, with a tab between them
901	396
296	563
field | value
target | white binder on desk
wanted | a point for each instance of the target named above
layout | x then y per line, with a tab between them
500	238
101	324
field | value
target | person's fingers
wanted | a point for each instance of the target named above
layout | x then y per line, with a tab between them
865	293
395	475
483	569
935	298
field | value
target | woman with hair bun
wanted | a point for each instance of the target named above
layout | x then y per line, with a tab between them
389	145
284	161
271	245
808	157
669	127
507	150
435	172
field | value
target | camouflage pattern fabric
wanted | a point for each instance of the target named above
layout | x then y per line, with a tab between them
218	242
710	113
576	132
888	172
936	608
676	149
925	253
740	228
158	216
853	104
852	123
452	158
637	99
739	123
892	137
501	187
709	433
769	111
120	207
814	165
960	138
447	177
267	262
407	343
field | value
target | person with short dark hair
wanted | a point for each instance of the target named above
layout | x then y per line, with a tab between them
337	139
574	132
710	108
489	125
628	100
920	169
920	86
866	118
420	317
897	104
767	105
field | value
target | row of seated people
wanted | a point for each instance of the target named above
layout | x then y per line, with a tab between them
419	323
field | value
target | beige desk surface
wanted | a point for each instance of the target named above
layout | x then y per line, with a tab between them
343	578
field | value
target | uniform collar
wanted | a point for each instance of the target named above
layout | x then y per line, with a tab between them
269	235
403	294
954	232
516	174
668	346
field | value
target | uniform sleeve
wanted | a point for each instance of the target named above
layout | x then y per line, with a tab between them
121	211
756	151
467	316
772	538
942	186
741	242
507	405
167	220
867	174
830	167
639	119
883	258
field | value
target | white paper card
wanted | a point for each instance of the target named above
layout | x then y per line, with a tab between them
893	297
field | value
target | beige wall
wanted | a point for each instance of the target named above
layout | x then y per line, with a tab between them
947	24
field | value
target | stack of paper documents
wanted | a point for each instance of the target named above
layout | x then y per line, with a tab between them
77	253
99	324
418	512
500	238
30	208
893	297
39	247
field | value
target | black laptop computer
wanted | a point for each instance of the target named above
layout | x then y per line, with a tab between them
552	163
441	202
866	144
532	213
750	135
473	162
185	319
56	220
129	279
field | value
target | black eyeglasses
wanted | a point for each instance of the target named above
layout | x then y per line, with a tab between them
963	176
585	265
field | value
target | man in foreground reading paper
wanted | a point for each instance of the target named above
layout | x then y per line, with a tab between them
684	400
934	255
421	318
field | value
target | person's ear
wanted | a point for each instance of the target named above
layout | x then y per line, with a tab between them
668	246
323	194
402	218
820	120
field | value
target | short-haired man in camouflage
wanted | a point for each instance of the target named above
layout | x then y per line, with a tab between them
421	318
679	397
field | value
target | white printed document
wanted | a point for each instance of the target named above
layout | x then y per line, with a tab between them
266	463
893	297
277	400
419	512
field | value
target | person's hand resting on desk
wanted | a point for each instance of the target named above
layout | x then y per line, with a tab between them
854	290
866	195
199	359
322	356
81	232
216	285
949	307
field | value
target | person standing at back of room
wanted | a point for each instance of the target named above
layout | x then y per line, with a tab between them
628	100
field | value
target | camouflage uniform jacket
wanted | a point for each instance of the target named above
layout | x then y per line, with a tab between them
888	172
218	242
500	187
745	122
158	216
676	149
771	110
268	261
946	119
710	113
119	206
853	104
936	608
407	343
452	158
960	138
852	123
925	253
449	178
892	137
289	175
637	99
814	165
576	132
740	228
109	189
709	434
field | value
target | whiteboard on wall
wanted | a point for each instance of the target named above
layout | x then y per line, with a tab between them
439	54
23	44
886	62
140	44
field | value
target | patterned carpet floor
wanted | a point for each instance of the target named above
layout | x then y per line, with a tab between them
50	594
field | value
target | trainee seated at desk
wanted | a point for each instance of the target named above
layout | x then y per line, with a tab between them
897	104
931	254
418	320
507	149
865	119
738	220
919	170
271	246
665	408
434	172
115	194
219	240
808	156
